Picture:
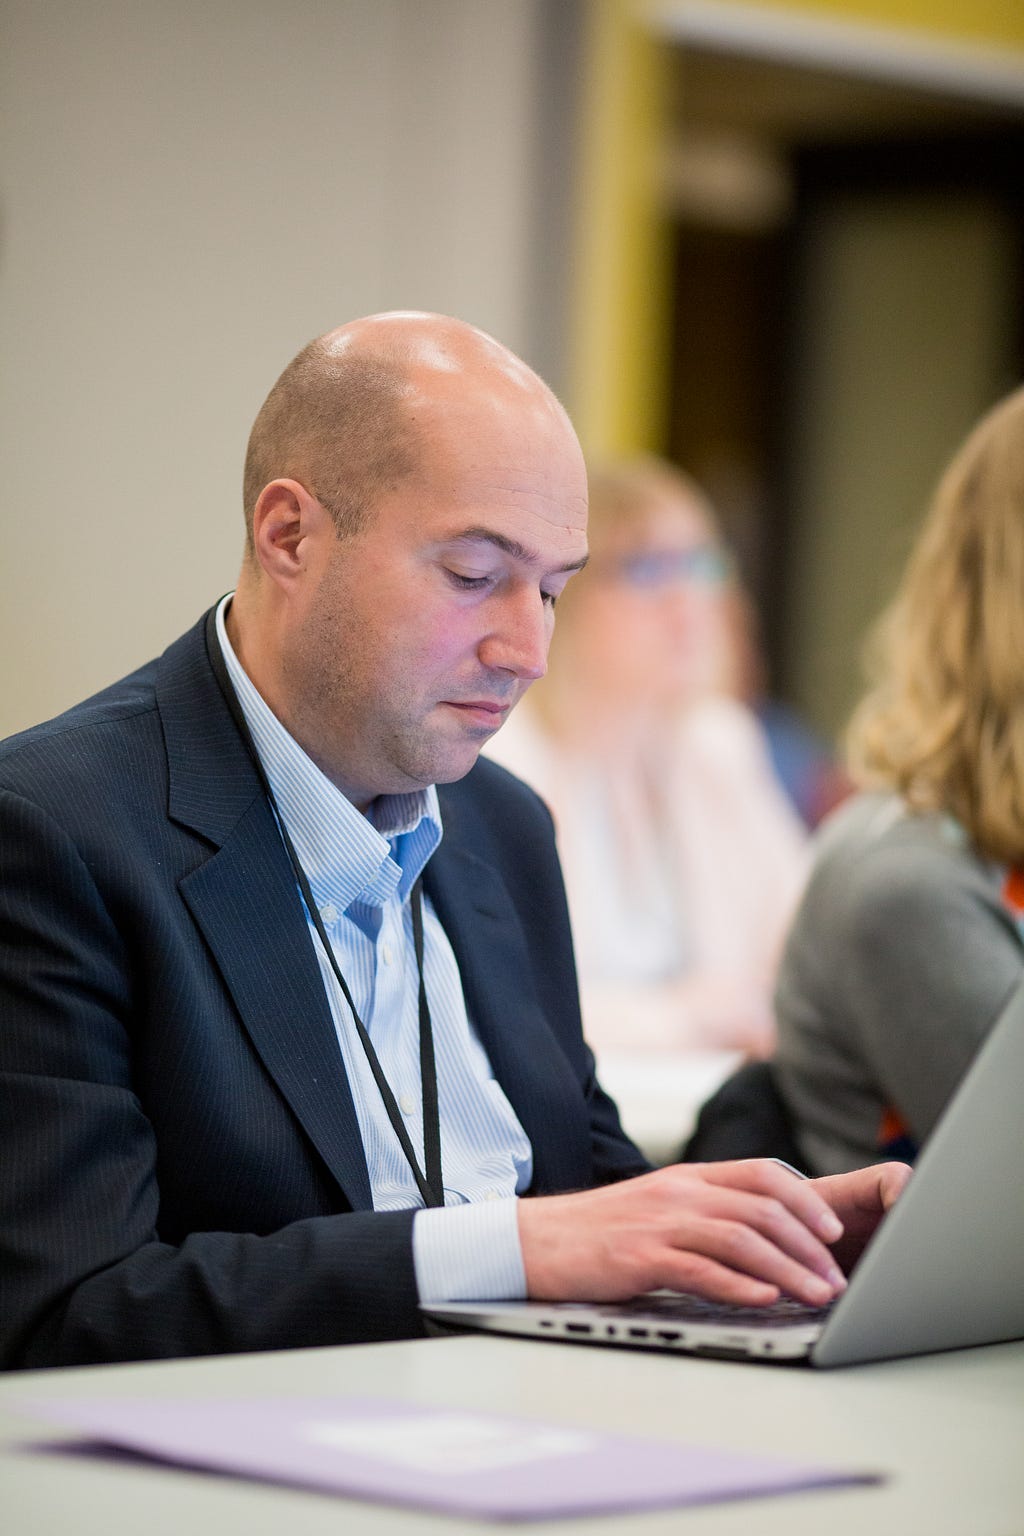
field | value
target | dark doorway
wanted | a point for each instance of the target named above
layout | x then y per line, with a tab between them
815	415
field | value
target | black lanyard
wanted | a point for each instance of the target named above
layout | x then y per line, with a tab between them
429	1182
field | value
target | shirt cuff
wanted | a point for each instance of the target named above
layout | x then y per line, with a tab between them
469	1252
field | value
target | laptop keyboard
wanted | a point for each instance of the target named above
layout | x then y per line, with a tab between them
680	1308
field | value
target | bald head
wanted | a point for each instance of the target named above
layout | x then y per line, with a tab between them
349	415
392	651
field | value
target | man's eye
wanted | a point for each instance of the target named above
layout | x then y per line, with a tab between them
550	598
466	583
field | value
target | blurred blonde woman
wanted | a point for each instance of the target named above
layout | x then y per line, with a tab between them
683	860
909	940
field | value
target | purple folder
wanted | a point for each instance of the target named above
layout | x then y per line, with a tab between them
457	1460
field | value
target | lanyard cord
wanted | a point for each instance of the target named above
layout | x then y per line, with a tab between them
428	1180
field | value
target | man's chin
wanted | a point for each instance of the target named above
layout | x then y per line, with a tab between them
459	757
449	752
456	766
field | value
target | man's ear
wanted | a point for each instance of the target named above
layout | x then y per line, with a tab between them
288	524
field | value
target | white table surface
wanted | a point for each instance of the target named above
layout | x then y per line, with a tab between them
947	1429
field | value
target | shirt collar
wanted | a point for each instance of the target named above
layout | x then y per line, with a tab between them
348	857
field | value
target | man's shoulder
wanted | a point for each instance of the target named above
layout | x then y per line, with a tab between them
104	729
124	700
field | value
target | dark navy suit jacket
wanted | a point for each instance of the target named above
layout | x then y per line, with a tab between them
180	1164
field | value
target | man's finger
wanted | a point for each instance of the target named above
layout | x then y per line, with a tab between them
737	1244
765	1176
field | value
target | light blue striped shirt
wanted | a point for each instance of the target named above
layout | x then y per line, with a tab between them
361	870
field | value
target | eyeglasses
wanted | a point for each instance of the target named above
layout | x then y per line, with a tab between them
703	565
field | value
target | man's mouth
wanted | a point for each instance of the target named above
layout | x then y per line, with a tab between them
487	712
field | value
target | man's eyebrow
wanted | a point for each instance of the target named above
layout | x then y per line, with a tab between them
510	547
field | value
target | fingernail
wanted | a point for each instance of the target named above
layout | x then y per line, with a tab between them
830	1227
836	1279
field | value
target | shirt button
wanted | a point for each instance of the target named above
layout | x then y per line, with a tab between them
491	1194
385	953
406	1104
329	912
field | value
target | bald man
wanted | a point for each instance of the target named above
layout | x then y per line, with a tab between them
291	1038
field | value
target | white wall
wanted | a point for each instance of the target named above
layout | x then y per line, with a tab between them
191	189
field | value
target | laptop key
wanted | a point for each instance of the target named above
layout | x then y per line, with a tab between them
681	1308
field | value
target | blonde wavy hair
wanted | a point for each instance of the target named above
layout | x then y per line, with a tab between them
944	722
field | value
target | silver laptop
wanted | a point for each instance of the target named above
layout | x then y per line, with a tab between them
944	1270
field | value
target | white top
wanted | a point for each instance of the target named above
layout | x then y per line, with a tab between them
683	863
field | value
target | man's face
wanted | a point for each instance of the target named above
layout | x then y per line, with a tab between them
429	624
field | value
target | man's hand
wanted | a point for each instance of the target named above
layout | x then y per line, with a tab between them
742	1232
860	1200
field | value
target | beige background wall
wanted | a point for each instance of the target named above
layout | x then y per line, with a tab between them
190	190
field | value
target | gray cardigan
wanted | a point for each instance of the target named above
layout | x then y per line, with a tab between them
899	960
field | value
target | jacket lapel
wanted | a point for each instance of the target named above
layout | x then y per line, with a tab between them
246	903
486	935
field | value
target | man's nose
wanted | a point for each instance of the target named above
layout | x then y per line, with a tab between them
519	639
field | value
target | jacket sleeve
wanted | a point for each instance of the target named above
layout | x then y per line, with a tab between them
86	1273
